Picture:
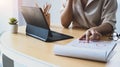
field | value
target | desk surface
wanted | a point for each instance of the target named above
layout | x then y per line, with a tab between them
40	50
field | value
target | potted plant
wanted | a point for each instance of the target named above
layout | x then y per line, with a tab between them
13	25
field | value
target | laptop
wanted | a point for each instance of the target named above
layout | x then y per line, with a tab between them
37	25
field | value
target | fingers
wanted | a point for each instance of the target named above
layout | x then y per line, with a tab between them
95	35
86	36
88	33
82	37
46	8
91	34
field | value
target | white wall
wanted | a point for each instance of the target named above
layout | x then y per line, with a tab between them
118	17
8	8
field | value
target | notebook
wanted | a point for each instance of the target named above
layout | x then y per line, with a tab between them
37	25
99	51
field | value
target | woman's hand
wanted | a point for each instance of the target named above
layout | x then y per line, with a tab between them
91	34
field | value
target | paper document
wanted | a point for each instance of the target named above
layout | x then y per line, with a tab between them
100	50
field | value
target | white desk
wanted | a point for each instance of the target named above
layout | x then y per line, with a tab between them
35	53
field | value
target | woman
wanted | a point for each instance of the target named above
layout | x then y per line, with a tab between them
98	16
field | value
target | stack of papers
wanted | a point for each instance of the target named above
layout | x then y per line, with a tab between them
100	50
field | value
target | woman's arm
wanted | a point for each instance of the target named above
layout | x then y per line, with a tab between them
108	22
95	33
67	14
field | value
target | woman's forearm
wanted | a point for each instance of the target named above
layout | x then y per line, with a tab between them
105	28
66	15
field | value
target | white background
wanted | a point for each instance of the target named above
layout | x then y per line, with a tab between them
9	8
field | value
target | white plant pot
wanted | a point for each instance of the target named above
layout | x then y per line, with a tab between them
14	28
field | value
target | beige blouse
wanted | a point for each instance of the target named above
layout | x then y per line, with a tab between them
96	12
